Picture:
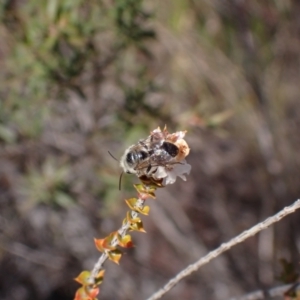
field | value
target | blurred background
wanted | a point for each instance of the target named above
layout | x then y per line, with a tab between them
79	78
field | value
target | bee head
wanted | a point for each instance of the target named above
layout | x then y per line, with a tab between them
128	161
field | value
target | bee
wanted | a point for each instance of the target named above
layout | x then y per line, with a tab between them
147	155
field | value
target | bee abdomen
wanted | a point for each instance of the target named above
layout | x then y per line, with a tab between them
170	148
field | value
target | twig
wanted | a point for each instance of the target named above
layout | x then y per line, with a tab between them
273	292
224	247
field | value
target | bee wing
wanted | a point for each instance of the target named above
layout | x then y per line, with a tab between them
155	162
146	143
144	164
150	144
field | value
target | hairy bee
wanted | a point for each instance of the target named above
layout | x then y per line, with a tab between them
147	155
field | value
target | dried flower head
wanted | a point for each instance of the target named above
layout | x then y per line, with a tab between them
160	158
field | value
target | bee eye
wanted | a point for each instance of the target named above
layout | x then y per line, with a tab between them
130	158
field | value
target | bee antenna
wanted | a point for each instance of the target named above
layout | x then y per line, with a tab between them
120	180
112	156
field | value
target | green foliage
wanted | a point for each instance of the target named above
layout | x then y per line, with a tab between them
289	273
50	186
129	17
54	44
60	48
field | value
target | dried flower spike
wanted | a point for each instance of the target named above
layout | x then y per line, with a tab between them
157	161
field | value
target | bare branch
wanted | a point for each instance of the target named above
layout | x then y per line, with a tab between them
224	247
273	292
